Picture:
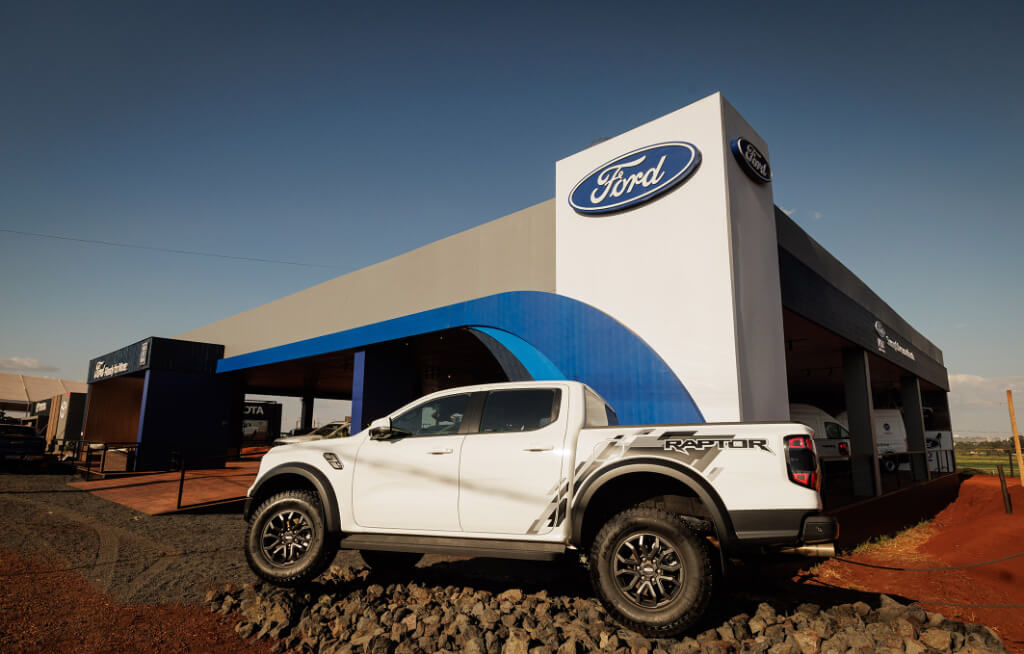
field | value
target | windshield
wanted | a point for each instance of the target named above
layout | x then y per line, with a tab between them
327	429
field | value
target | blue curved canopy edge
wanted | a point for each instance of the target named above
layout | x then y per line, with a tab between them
537	365
577	341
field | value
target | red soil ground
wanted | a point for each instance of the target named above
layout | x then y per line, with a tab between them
46	611
972	529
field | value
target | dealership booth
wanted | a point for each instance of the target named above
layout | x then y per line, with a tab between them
661	274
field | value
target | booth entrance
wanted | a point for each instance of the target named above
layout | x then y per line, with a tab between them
155	404
828	372
382	377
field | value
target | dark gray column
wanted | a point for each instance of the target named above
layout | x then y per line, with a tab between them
913	420
859	407
306	421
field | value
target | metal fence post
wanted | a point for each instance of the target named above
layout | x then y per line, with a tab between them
1006	495
181	482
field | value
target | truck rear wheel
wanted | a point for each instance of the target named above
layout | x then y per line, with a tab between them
651	572
287	543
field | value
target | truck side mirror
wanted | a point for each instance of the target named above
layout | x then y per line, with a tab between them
380	429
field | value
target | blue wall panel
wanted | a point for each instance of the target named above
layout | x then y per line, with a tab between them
578	341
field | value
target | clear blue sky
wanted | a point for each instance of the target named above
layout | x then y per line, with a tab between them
342	134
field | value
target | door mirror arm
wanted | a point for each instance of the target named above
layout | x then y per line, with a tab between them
380	429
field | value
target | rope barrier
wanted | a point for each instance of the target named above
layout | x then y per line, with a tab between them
951	567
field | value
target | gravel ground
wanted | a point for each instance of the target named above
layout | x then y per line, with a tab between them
178	559
134	557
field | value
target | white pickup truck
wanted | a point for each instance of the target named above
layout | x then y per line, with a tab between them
537	470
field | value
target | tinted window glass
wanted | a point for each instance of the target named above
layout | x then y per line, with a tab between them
440	416
520	410
832	430
598	413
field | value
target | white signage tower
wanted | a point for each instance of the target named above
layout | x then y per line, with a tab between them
690	267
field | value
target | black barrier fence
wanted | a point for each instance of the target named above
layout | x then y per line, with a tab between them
985	460
896	471
186	462
98	459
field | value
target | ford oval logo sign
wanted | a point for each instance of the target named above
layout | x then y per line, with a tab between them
635	177
753	163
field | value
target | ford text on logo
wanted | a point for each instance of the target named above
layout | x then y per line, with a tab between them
635	177
753	163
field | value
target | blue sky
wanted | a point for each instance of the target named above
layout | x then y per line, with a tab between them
341	134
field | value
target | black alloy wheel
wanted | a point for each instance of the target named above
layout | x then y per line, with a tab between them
652	573
287	543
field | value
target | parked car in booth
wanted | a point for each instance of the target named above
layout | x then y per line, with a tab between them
333	429
890	437
21	442
831	438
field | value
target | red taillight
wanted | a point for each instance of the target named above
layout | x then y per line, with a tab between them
844	448
801	462
798	442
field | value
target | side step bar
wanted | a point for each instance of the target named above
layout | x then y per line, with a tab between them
502	549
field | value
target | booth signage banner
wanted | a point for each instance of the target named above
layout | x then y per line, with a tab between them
753	163
125	361
635	177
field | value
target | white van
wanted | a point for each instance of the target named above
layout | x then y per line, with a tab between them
890	435
831	439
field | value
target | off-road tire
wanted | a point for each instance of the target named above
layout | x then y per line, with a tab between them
320	548
390	562
691	595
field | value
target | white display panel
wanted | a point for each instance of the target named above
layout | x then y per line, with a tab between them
669	268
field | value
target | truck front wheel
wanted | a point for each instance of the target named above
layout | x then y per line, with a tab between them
651	572
287	543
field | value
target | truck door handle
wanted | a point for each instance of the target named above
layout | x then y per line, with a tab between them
539	448
446	450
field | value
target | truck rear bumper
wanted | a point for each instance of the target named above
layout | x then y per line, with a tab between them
819	529
783	527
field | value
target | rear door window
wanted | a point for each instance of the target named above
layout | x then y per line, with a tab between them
526	409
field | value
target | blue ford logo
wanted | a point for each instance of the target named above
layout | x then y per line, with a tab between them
635	177
753	163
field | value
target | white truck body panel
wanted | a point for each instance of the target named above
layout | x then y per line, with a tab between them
522	485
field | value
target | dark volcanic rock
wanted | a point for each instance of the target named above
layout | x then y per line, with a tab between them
347	613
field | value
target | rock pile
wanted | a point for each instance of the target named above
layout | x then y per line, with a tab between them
348	612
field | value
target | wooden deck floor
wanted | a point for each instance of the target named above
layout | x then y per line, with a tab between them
157	493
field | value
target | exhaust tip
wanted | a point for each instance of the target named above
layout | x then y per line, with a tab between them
820	550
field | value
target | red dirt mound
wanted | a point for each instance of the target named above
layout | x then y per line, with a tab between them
973	529
976	528
47	611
